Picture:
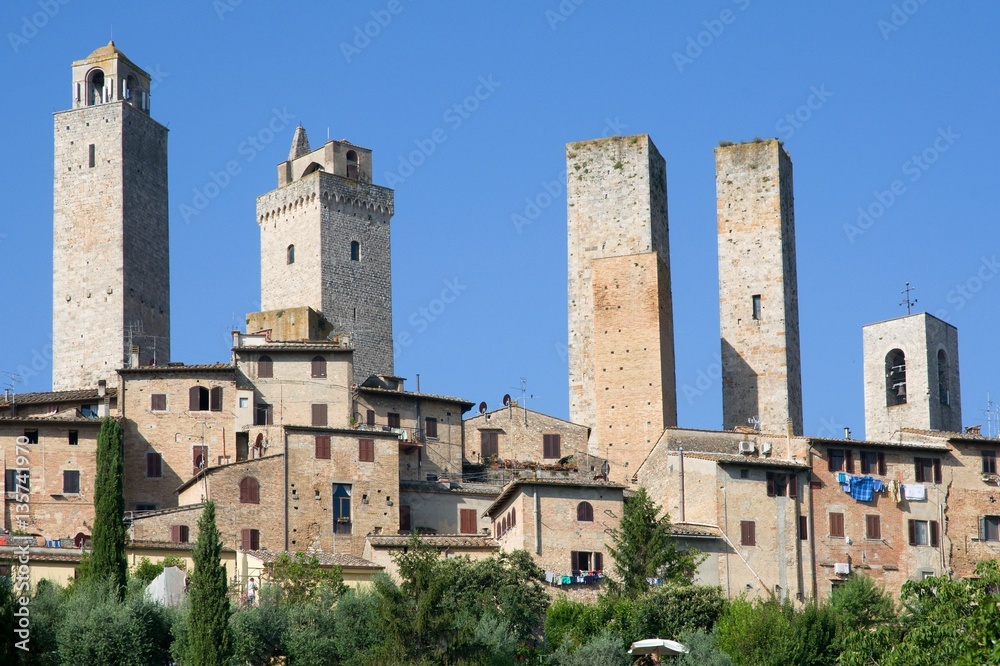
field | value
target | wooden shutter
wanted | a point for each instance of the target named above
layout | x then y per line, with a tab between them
158	402
770	484
71	482
748	533
154	465
937	470
319	367
194	399
249	491
215	401
488	444
431	426
982	528
836	524
574	560
265	368
393	419
598	562
175	533
319	415
793	486
551	446
250	539
829	460
323	447
918	470
404	518
849	461
881	464
371	417
873	527
934	532
366	450
245	539
913	532
468	521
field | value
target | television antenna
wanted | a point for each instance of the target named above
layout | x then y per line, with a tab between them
906	298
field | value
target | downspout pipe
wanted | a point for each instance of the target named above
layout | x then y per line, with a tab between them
538	522
680	490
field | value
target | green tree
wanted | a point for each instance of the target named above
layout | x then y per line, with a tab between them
644	549
209	640
108	536
259	631
301	577
773	633
147	571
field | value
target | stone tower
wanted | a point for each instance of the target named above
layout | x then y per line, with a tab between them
621	338
758	292
911	376
324	244
111	269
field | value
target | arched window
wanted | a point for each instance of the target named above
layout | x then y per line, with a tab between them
355	251
290	255
130	88
312	168
318	366
198	399
265	367
352	164
585	512
944	386
95	87
895	378
249	491
513	517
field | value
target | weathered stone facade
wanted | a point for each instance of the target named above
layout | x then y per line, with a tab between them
911	376
435	507
758	287
520	437
325	244
111	269
616	194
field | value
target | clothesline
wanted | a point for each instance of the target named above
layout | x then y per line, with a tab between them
577	577
863	488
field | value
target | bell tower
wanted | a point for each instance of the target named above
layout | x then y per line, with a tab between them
111	272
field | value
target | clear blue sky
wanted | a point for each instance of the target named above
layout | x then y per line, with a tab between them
885	81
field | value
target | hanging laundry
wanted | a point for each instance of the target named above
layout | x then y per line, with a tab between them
861	488
549	576
878	486
914	492
895	490
567	580
841	478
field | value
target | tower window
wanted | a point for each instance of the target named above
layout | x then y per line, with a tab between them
756	307
92	155
895	378
290	255
944	388
341	508
352	164
95	87
265	368
584	512
355	251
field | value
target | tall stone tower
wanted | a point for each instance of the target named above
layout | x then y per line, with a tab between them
621	338
111	268
758	292
324	244
911	376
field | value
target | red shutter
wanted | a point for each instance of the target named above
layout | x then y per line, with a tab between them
468	521
881	464
793	486
323	447
934	533
937	470
849	461
366	450
913	532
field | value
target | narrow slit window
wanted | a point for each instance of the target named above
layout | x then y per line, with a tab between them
92	155
290	254
355	251
756	307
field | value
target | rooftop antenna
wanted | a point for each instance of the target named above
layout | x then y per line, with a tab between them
906	298
992	412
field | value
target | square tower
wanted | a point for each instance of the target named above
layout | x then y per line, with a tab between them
621	338
758	292
324	244
911	376
111	267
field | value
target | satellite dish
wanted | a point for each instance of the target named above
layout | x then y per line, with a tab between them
482	408
605	469
506	399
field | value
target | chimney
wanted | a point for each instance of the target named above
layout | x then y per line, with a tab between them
102	388
974	430
133	356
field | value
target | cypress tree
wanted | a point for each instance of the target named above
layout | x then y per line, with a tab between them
208	621
108	538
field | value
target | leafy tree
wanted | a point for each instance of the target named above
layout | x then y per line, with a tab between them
48	608
606	648
208	619
644	549
301	577
108	536
704	650
773	633
258	631
310	638
146	571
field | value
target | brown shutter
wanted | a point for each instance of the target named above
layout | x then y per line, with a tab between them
934	533
849	461
371	417
793	485
881	464
431	426
215	402
319	367
393	419
194	399
468	521
913	532
245	539
770	484
829	460
265	368
918	470
323	447
836	524
159	402
937	470
598	562
873	527
319	415
366	450
574	560
748	533
175	533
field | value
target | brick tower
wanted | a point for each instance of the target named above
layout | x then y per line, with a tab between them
911	376
111	269
324	244
758	292
621	338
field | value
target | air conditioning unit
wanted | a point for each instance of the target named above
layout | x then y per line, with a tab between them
842	568
746	447
765	447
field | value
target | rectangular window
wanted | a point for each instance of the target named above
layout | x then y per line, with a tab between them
468	521
756	307
803	527
250	539
89	411
989	462
489	442
31	436
12	480
74	437
840	460
262	414
404	518
777	484
319	415
154	465
873	463
370	417
366	450
71	482
215	401
923	533
158	402
341	508
989	528
179	533
837	525
583	560
145	507
551	446
393	419
873	527
92	155
748	533
322	447
431	427
244	403
199	458
927	470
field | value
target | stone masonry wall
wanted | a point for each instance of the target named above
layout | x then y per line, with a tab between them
521	436
616	205
761	371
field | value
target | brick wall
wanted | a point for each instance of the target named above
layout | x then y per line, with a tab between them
520	436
